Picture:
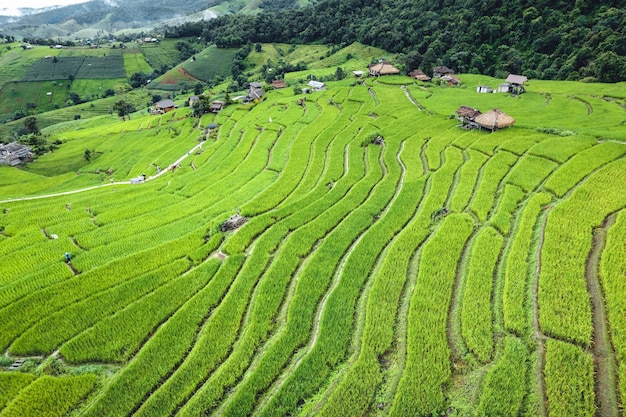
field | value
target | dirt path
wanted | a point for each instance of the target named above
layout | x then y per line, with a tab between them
603	355
537	334
411	99
374	97
81	190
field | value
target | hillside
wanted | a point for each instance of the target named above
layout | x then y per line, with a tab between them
547	40
441	271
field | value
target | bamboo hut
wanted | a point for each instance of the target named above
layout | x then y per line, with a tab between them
494	119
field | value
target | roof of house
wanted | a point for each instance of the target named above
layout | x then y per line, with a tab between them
278	83
494	119
255	84
418	74
384	68
442	69
468	112
315	84
255	92
165	104
516	79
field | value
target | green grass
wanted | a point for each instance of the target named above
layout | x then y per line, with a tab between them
335	297
210	62
135	61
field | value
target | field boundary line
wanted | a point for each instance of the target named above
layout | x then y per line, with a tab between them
538	336
605	366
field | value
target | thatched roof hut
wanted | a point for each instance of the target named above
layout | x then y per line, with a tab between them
494	119
383	68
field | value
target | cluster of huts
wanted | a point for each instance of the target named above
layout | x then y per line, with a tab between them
471	118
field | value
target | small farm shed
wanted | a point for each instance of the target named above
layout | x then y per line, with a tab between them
216	106
494	119
233	222
14	154
467	115
316	85
358	73
164	106
503	88
484	89
192	100
383	68
516	83
418	74
441	71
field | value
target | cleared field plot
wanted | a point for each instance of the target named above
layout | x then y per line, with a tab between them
437	272
136	62
210	62
62	68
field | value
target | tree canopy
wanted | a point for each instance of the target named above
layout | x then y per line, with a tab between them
543	39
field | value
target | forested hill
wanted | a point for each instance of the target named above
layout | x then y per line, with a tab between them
549	39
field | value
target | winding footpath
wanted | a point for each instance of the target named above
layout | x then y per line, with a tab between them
603	355
81	190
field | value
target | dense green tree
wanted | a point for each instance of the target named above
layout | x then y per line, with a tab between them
30	124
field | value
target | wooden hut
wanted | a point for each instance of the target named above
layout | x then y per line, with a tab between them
494	119
467	115
418	74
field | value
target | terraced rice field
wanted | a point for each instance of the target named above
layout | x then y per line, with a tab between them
444	272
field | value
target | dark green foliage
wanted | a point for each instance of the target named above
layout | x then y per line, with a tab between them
566	40
123	109
30	123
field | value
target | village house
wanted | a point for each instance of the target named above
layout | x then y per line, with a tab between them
383	68
419	75
193	100
164	106
14	154
216	106
442	71
255	92
484	89
277	84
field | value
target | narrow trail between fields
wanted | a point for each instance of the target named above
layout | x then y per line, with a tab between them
537	334
411	99
603	356
80	190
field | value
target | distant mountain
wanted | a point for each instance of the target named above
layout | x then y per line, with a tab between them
103	15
